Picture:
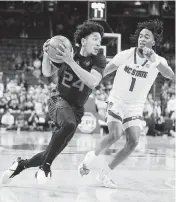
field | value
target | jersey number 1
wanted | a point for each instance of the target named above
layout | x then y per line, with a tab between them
132	84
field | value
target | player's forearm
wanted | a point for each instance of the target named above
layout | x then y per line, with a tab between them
46	66
166	71
47	69
86	77
110	67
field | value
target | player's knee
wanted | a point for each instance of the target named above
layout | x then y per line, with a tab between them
133	142
115	132
114	136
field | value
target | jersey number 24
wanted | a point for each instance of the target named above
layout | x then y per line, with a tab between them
68	81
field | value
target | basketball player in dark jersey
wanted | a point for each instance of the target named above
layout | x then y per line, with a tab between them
75	79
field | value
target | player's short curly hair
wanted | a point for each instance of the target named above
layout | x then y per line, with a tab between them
155	26
86	29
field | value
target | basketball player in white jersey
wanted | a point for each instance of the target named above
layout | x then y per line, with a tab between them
137	69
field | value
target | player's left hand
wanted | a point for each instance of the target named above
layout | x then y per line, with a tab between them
65	54
149	54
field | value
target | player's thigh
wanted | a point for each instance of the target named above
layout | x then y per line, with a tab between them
133	117
115	129
115	111
133	134
61	112
115	114
133	123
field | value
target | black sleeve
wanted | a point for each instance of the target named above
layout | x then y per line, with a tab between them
99	63
58	65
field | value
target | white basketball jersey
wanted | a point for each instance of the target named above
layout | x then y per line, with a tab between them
134	76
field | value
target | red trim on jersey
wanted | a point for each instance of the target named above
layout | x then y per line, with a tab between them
132	118
125	120
114	115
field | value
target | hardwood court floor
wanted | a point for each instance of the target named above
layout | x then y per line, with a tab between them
145	176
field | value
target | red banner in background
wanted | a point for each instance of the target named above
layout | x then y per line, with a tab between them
89	123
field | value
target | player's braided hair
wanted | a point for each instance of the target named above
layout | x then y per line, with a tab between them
155	26
86	29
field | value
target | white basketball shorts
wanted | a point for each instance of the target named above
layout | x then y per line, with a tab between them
127	114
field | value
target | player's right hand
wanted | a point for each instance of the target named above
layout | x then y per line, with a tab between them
149	54
45	46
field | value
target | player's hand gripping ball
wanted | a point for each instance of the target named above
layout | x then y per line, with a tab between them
54	44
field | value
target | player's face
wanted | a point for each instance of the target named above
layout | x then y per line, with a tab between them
145	38
92	43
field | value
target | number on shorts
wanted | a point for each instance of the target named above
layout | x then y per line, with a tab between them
132	84
68	77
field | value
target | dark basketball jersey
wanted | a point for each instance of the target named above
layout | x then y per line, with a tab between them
70	87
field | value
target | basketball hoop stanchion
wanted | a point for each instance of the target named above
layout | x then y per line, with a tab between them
116	36
97	10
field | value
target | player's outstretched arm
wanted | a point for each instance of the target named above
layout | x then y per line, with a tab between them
117	60
110	67
166	70
160	62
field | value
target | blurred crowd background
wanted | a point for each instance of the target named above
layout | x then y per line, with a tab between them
25	26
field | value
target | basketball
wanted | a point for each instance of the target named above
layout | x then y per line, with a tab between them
55	42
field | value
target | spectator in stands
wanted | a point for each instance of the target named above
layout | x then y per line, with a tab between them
7	120
3	104
159	125
157	109
29	105
10	85
37	68
22	100
150	99
172	88
38	106
23	80
14	105
19	62
41	121
108	87
7	80
149	117
164	96
33	121
21	122
29	52
171	105
36	53
17	79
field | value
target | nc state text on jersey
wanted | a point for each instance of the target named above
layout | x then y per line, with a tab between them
135	72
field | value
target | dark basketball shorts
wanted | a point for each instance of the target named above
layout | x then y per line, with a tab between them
56	103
